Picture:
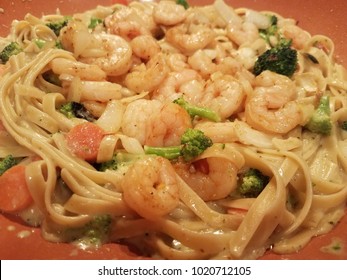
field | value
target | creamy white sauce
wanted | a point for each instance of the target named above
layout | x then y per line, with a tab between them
23	234
336	247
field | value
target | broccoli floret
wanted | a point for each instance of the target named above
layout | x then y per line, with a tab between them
118	160
281	59
112	164
39	42
94	22
94	233
7	163
58	45
184	3
252	183
76	110
320	121
56	26
344	125
97	230
193	143
12	48
197	111
67	110
267	33
172	152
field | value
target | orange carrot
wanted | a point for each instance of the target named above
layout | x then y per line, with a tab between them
238	211
14	192
84	140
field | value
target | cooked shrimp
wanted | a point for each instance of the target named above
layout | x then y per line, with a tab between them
136	117
147	77
117	60
279	88
77	69
223	94
145	46
129	30
202	63
150	187
189	37
282	120
76	38
169	13
207	65
246	56
177	62
110	52
212	178
242	33
272	107
156	124
193	90
298	36
144	11
168	125
127	23
172	87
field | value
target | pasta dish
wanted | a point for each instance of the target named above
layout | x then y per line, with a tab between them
187	132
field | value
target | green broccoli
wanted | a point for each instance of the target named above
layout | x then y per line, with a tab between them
56	26
320	121
193	143
74	109
59	45
252	183
281	59
197	111
12	48
94	22
97	230
344	125
184	3
267	33
7	163
94	233
39	42
172	152
118	160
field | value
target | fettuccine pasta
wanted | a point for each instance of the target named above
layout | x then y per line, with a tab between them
125	67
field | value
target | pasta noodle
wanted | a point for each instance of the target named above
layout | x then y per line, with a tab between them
125	70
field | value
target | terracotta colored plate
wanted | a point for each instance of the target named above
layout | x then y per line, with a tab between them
317	16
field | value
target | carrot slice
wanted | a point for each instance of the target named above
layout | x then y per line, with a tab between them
14	193
239	211
84	140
